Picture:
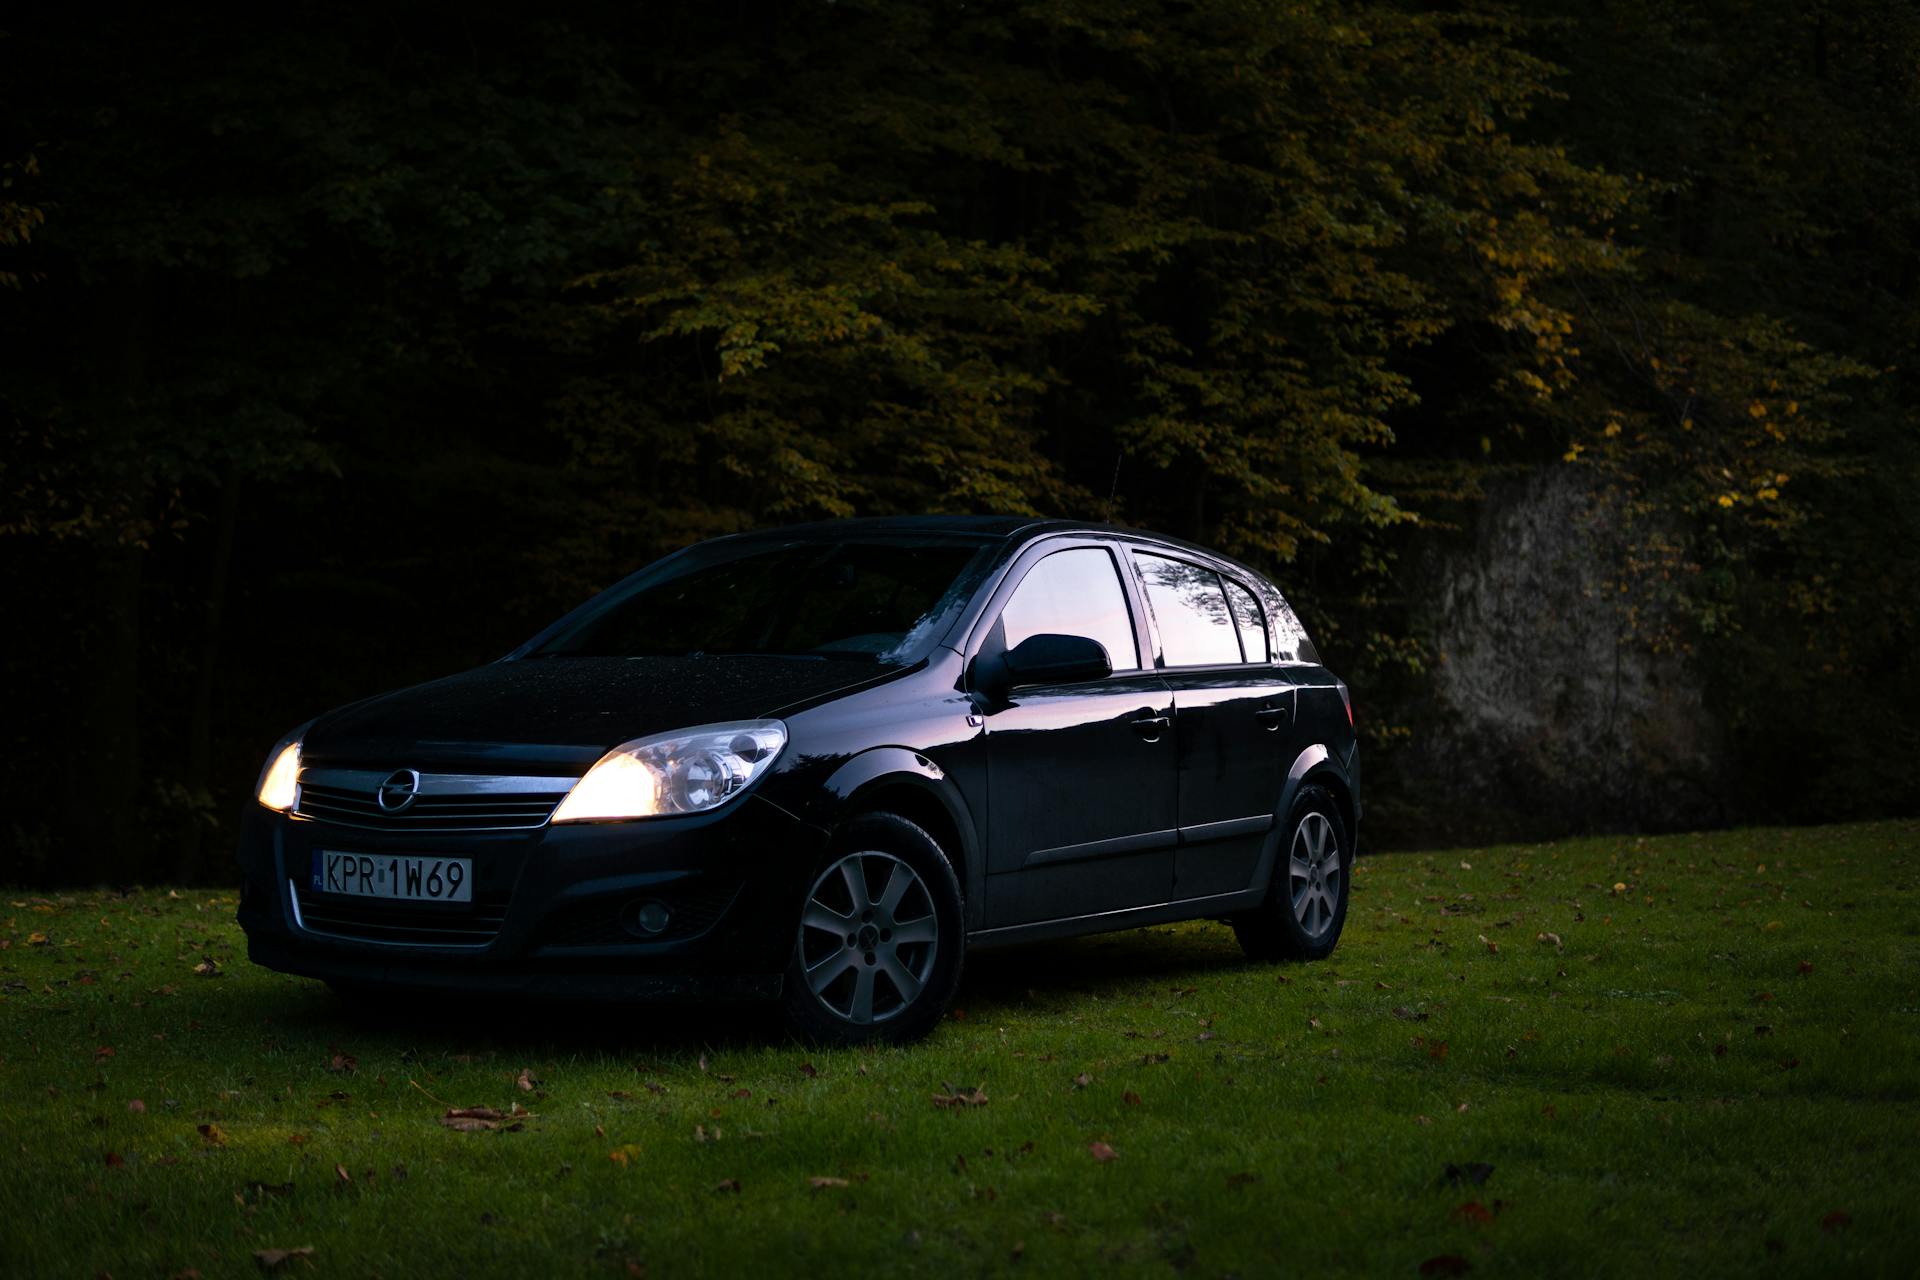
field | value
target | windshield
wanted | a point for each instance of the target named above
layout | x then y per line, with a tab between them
869	601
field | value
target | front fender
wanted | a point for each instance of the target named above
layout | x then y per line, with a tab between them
879	767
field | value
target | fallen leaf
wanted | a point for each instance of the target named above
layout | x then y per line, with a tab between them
624	1155
274	1259
1082	1080
1475	1212
1131	1098
700	1133
728	1184
36	939
525	1081
136	1106
341	1063
115	1160
1836	1220
1806	966
1437	1050
213	1134
822	1183
1102	1152
1314	1023
957	1098
808	1070
340	1172
472	1119
207	968
1446	1264
1551	939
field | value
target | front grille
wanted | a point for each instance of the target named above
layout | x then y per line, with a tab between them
603	922
441	802
372	920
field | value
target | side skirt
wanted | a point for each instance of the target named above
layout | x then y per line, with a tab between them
1219	904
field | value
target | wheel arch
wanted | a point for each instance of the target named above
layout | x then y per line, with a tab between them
1316	765
902	781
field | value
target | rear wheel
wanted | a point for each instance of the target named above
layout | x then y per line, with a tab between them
1306	904
880	944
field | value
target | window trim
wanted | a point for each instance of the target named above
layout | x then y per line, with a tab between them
988	621
1182	555
1266	632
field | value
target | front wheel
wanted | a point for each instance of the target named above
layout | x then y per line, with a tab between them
881	941
1306	904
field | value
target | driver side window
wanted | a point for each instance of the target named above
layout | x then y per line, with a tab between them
1074	593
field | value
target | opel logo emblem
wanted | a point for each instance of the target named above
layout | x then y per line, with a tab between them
399	790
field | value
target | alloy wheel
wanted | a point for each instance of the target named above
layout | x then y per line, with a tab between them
1313	873
868	937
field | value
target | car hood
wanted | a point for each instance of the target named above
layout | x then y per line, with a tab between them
556	715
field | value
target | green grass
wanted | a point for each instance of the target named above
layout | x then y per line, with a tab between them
1717	1072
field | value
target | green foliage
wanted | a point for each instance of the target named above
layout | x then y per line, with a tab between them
421	319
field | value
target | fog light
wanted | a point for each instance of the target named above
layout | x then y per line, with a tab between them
652	917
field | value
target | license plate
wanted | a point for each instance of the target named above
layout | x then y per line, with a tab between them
404	878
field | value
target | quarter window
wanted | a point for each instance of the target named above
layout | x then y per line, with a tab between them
1196	627
1074	593
1251	622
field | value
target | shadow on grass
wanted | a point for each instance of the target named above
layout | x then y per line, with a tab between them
1050	976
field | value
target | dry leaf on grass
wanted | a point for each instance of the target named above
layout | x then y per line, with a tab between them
472	1119
957	1098
822	1183
213	1134
1102	1152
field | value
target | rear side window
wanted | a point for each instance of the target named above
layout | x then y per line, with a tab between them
1196	627
1251	622
1074	593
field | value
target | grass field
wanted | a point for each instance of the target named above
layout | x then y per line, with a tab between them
1691	1054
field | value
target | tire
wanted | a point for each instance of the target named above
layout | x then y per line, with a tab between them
856	957
1306	904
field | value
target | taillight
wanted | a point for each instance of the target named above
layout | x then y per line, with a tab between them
1346	700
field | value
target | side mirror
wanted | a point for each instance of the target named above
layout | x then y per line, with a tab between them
1053	659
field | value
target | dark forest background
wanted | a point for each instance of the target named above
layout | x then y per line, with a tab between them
342	349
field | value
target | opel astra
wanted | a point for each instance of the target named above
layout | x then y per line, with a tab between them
816	766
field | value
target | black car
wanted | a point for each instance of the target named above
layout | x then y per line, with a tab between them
816	765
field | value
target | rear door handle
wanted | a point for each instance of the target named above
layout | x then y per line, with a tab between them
1150	727
1273	717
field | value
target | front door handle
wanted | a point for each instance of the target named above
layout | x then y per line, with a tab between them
1271	717
1150	727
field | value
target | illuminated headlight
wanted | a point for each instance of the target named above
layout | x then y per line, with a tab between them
279	784
689	771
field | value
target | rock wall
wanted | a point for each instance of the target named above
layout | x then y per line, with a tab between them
1545	716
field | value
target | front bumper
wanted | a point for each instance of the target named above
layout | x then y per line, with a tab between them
553	910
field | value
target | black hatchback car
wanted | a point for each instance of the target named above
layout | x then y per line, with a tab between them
817	765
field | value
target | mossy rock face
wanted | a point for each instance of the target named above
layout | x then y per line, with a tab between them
1547	684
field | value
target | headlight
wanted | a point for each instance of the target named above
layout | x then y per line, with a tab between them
279	784
690	771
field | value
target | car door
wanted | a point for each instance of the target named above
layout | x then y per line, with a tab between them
1233	716
1081	792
